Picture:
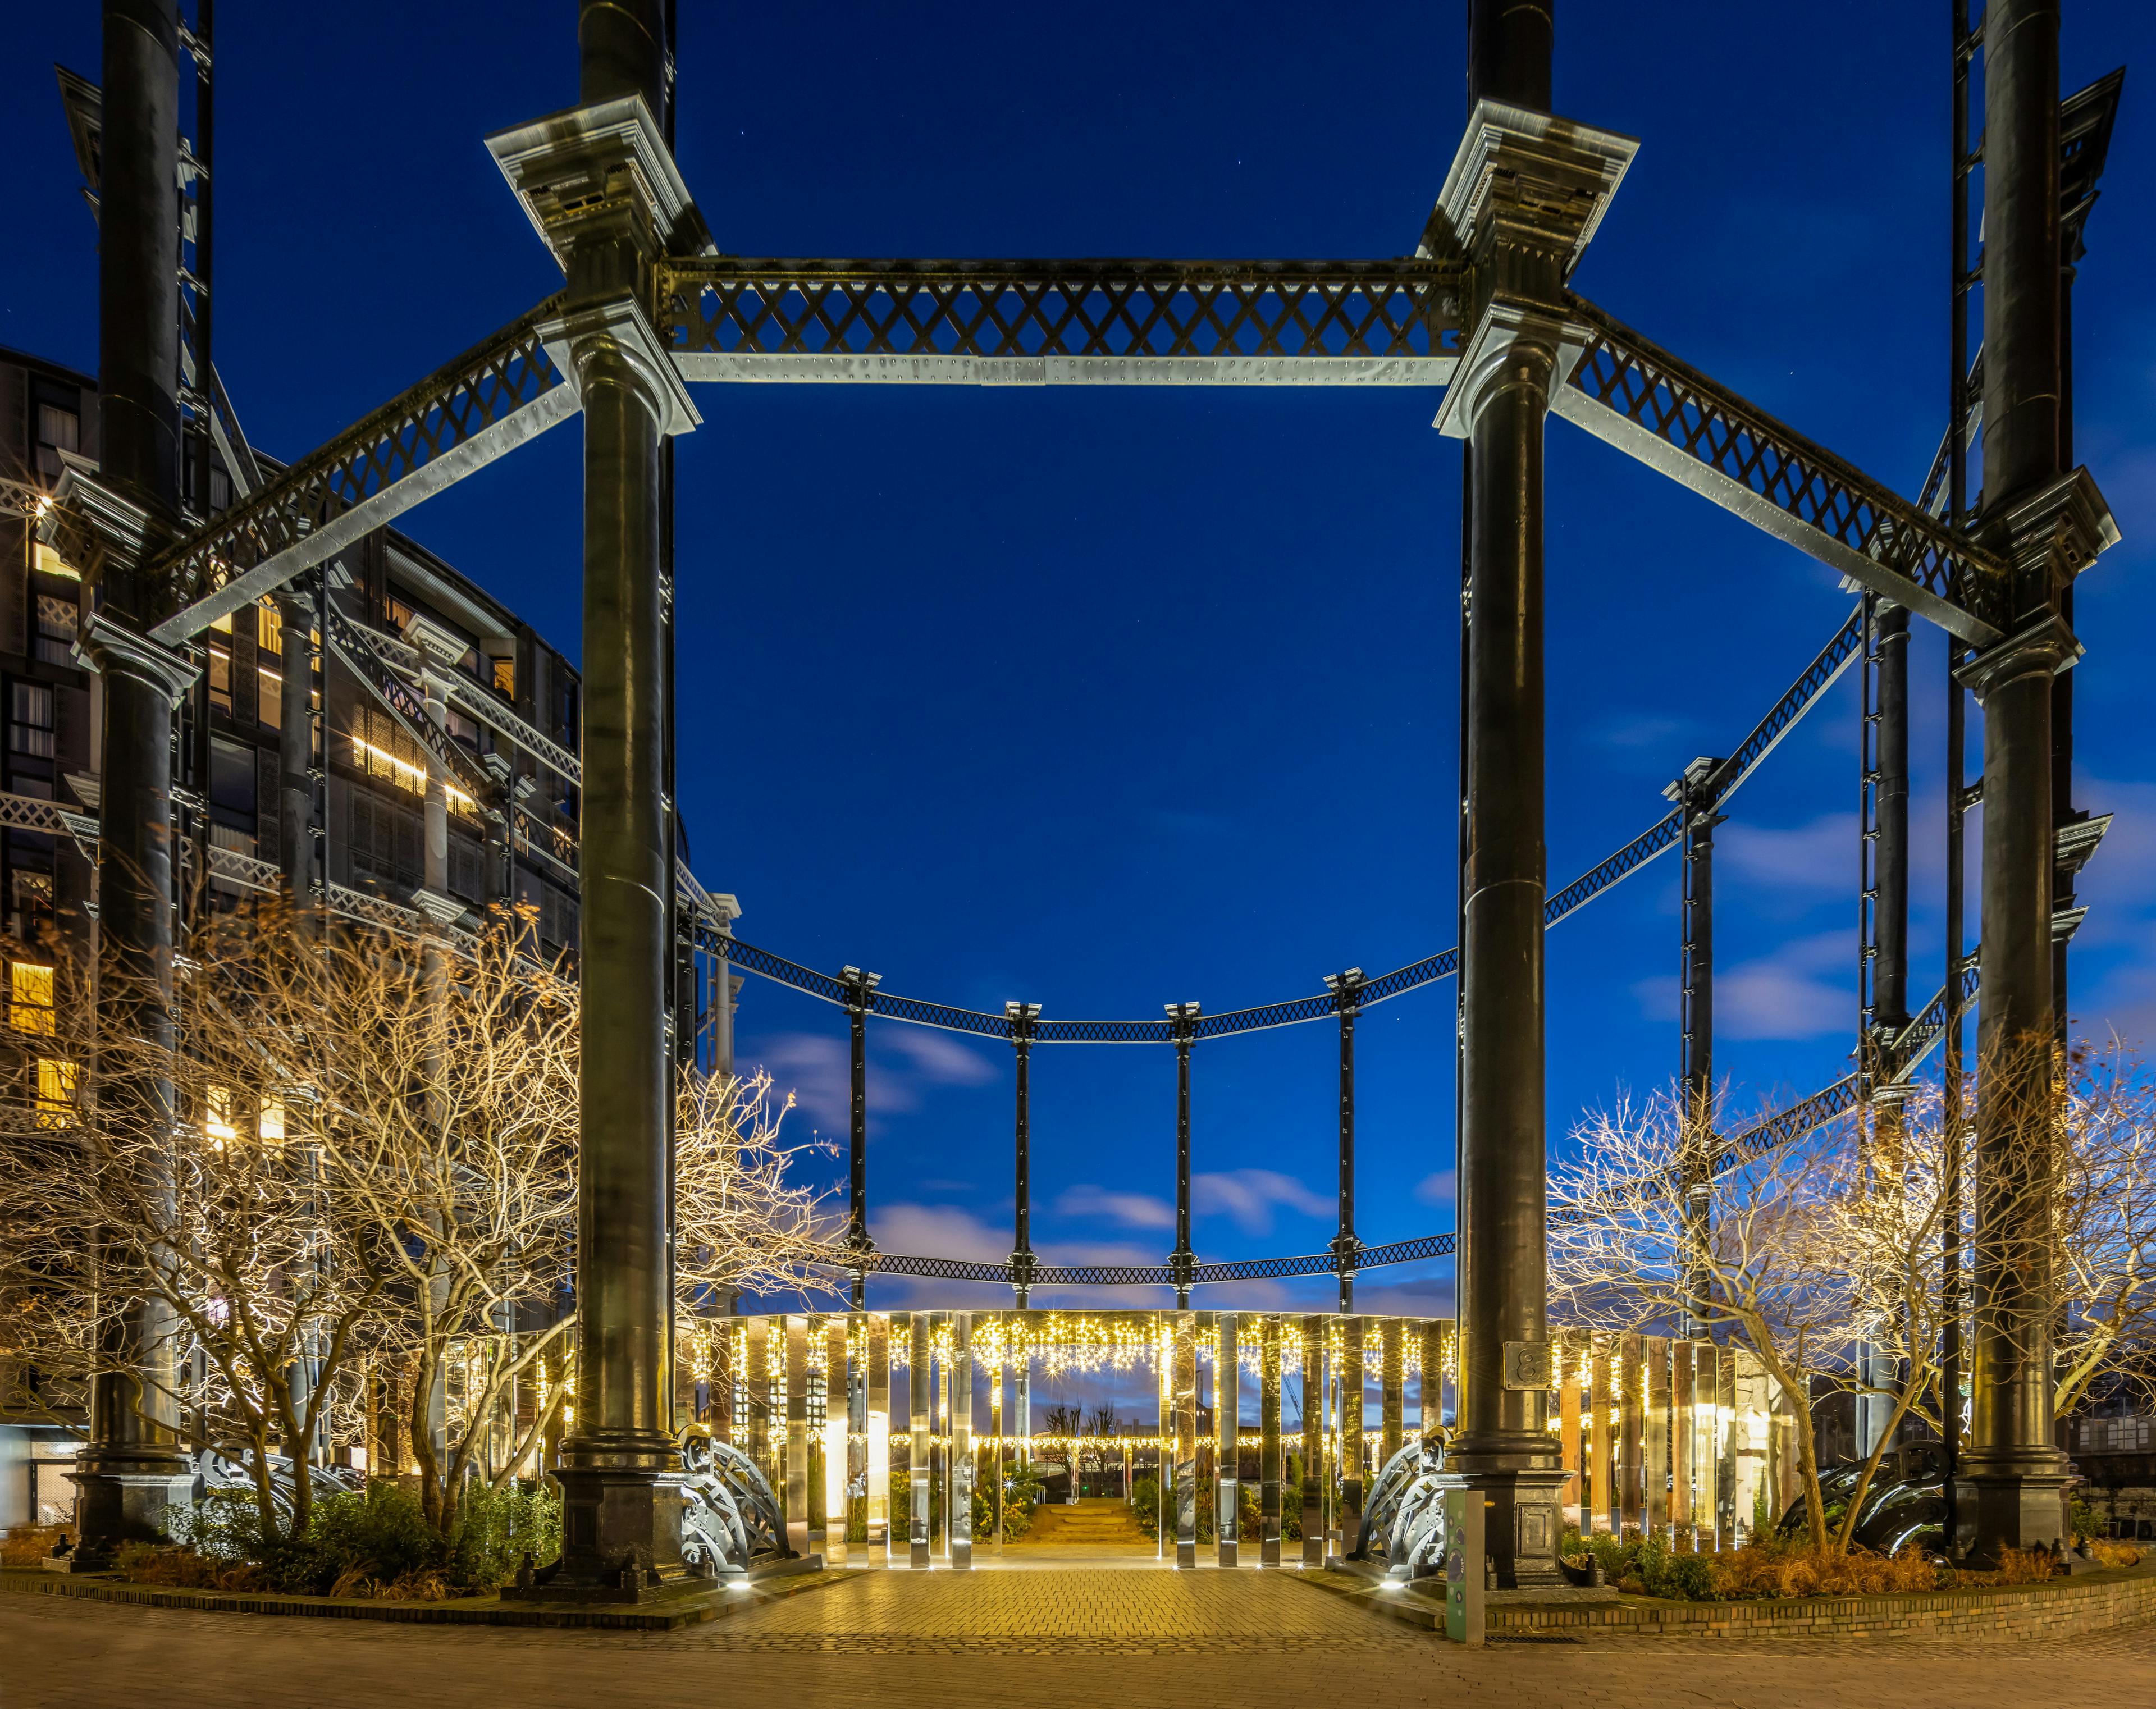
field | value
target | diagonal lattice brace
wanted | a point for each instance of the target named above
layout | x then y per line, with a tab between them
1113	322
407	705
461	416
1651	406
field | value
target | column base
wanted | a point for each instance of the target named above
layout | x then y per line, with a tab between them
1521	1523
122	1496
1998	1510
621	1532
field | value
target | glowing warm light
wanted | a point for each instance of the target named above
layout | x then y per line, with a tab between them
271	1128
31	988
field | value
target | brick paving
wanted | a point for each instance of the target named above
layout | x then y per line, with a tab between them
1132	1638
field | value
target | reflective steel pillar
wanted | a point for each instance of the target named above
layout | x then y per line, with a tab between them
1227	1443
879	1433
1354	1451
1268	1440
131	1468
2048	526
1312	1493
1185	1396
959	1480
917	1392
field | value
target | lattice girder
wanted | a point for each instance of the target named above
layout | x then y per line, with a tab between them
1389	322
1651	406
459	418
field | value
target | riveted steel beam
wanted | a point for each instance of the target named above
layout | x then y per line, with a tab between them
460	417
1641	399
1072	322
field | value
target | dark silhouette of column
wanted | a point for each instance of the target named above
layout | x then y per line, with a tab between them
621	1520
133	1470
1023	1018
1347	990
861	986
1694	794
1522	194
295	741
1183	1017
2047	525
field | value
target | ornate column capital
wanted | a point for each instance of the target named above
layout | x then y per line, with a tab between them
598	170
2051	535
2045	646
616	339
111	649
1525	193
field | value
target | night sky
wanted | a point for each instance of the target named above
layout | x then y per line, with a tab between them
1105	697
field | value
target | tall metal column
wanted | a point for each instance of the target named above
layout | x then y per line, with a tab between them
917	1392
621	1527
2048	527
296	848
1346	988
1185	1394
1183	1017
1270	1327
1523	194
133	1470
1692	792
859	987
1022	1018
1312	1492
958	1479
1952	1111
1227	1441
1353	1454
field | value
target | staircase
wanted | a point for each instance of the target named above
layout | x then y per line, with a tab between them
1101	1525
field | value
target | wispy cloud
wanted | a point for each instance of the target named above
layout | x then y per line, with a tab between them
1441	1189
1248	1197
1821	856
904	1063
1640	729
1788	994
1087	1202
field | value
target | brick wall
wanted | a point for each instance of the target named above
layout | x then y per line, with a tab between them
2061	1609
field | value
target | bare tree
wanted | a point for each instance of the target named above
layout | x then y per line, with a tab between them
2103	1206
1625	1256
746	1217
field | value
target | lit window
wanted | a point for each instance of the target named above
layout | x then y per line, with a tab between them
269	626
504	676
55	1091
30	987
217	1118
271	1127
269	697
30	723
46	561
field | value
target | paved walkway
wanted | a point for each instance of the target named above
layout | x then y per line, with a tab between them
1074	1636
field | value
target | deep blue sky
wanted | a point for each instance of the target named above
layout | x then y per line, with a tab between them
1103	698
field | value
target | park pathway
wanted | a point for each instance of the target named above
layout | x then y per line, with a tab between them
1124	1637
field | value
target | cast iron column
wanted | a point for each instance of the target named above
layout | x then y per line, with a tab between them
621	1520
1022	1018
1694	794
2046	527
295	741
859	988
132	1468
1183	1017
1347	990
1523	195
